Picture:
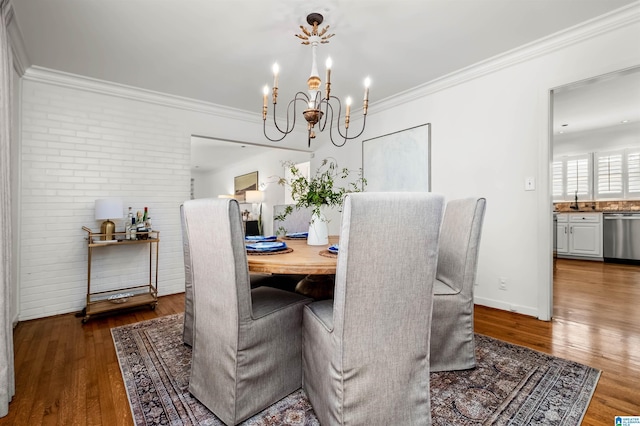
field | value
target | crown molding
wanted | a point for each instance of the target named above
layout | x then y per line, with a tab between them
20	58
618	18
87	84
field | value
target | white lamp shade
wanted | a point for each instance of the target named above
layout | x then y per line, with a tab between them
254	196
109	208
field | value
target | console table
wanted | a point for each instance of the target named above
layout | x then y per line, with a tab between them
127	297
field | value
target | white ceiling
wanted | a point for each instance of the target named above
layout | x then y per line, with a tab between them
601	102
221	51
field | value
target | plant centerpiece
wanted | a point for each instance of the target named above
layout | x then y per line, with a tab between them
321	190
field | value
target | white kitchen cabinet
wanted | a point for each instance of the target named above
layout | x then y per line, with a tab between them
583	235
562	233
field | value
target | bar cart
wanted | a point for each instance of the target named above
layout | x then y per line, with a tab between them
127	297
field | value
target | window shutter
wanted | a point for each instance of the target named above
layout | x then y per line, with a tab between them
633	174
609	174
578	176
557	180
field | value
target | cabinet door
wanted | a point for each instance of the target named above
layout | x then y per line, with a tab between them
585	239
562	238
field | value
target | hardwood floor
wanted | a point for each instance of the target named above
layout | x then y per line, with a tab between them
67	373
596	322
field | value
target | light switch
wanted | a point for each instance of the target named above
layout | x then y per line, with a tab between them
529	183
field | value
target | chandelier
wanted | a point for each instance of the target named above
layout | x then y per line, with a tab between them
319	107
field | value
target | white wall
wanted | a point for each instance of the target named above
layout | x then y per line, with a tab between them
84	139
79	146
489	132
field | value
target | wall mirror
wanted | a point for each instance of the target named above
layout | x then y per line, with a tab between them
216	165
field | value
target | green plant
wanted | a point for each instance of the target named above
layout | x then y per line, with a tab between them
321	189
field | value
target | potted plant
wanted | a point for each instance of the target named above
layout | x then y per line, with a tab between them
322	189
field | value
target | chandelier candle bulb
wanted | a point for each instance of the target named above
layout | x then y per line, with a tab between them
328	83
367	83
365	107
346	118
265	93
276	70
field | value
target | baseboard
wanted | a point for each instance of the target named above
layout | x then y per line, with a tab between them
505	306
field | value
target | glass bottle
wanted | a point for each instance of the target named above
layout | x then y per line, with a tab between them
127	227
133	235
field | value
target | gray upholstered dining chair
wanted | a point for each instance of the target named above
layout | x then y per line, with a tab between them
187	329
247	342
365	354
296	221
452	335
282	281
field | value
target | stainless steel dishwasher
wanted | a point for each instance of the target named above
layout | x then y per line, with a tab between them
621	237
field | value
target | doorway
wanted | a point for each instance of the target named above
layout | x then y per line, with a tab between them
593	123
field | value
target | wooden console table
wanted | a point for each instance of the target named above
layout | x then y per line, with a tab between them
144	294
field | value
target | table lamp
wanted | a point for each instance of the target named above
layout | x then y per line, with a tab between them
256	197
108	208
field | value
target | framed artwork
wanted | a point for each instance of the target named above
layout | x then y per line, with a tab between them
244	183
398	161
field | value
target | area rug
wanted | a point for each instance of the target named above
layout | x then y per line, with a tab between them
511	385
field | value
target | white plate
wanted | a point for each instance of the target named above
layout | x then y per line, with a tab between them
265	247
300	235
260	238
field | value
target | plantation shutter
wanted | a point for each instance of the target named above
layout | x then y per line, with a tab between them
557	180
633	174
609	174
578	176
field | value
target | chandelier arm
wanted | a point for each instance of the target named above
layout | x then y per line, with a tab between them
275	121
264	130
325	101
330	107
337	99
284	133
345	136
364	122
293	124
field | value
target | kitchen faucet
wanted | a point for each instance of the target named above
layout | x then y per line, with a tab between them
575	206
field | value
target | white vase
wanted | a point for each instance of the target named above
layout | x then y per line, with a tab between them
318	231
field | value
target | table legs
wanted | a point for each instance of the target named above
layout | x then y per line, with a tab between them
318	287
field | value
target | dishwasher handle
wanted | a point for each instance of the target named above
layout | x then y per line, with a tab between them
635	217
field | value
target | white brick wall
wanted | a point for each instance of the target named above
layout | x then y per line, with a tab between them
78	146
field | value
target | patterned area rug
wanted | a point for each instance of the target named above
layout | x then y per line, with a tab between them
511	385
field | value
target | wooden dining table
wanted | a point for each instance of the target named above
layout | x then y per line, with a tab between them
315	262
